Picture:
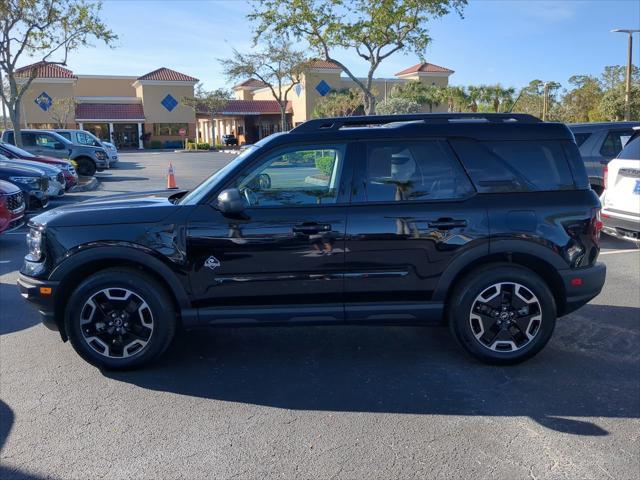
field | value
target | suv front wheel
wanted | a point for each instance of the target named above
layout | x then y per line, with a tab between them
86	167
502	313
120	318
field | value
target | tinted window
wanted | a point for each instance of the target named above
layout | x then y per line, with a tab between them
298	176
632	150
513	166
614	142
581	138
413	170
66	135
28	139
45	141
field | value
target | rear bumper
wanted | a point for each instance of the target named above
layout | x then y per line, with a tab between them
31	290
620	226
582	285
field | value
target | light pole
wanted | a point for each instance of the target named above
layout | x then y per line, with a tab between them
627	93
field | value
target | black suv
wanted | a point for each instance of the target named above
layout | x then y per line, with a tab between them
485	222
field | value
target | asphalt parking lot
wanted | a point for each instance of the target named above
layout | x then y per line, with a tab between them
321	402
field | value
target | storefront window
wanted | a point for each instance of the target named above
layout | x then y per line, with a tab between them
100	130
169	129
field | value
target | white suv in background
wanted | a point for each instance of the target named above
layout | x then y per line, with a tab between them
621	197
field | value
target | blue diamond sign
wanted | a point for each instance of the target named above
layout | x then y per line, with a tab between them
169	102
298	89
44	101
323	88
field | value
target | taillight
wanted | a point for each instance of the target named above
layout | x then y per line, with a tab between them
596	224
605	174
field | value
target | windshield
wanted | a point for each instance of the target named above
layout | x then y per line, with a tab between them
18	151
201	191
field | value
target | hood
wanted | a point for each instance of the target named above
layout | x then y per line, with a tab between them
43	167
7	188
147	207
7	168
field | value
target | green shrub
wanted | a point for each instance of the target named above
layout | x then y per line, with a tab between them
325	164
201	146
155	144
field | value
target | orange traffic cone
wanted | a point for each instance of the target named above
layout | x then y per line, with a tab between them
171	179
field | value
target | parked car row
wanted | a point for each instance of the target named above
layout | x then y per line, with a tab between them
88	152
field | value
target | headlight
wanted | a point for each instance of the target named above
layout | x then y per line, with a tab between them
101	155
31	181
34	245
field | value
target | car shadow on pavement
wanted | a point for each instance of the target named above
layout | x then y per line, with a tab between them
109	178
410	370
15	319
6	423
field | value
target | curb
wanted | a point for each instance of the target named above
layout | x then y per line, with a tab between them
87	186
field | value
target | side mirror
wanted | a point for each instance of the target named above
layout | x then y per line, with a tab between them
58	146
231	202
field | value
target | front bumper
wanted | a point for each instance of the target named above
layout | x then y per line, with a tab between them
37	199
41	294
582	285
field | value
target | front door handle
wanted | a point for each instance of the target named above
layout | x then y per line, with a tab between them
447	224
310	228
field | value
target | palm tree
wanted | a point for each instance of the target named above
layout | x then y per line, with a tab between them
474	94
456	98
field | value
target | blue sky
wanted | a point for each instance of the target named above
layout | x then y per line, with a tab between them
506	41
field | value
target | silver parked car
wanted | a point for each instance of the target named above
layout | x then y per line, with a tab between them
599	143
89	158
82	137
56	177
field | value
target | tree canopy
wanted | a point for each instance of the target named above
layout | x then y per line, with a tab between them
45	31
277	65
372	30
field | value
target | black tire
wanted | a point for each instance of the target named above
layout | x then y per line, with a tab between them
468	327
118	280
86	167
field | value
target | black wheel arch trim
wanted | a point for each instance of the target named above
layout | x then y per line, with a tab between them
83	255
494	249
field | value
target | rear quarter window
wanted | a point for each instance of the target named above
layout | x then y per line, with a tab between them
515	166
632	150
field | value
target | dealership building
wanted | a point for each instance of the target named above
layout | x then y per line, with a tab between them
147	110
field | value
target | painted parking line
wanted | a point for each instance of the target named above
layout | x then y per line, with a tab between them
611	252
4	261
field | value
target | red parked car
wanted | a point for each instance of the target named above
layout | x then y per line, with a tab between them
69	172
11	206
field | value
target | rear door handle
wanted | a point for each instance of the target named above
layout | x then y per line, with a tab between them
447	224
309	228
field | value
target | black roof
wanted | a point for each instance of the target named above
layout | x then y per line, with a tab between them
480	126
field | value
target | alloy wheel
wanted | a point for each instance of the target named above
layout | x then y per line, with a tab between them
505	317
116	322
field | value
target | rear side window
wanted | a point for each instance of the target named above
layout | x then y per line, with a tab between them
632	150
614	142
515	166
66	135
581	138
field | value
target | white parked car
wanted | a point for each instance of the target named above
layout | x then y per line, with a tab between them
621	197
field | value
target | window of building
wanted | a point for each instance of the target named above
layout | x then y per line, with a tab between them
297	176
100	130
169	129
413	170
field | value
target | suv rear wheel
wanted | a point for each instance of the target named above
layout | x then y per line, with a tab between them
86	167
120	319
502	314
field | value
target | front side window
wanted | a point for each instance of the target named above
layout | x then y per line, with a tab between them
413	171
307	175
84	139
46	141
614	142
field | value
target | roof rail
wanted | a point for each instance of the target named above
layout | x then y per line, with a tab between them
332	124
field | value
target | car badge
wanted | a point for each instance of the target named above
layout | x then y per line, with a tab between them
212	262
